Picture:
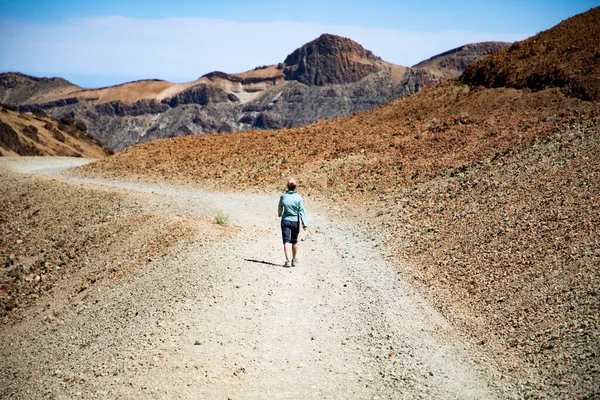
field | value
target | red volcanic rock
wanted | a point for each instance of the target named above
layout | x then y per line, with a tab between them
566	56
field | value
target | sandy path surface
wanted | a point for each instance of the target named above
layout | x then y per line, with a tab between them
225	320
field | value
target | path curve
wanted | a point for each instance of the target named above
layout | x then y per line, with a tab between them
227	321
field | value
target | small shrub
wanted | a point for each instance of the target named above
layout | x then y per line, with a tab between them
220	218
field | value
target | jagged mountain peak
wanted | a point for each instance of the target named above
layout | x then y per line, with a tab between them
327	45
330	59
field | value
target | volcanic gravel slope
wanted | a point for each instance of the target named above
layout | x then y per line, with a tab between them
216	315
566	56
488	196
37	134
67	239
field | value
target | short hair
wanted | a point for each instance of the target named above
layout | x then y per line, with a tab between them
291	184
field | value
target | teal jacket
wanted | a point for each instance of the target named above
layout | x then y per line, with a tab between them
291	207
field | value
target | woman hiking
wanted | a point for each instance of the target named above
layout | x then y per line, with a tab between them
291	211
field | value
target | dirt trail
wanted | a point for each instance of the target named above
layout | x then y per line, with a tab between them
225	320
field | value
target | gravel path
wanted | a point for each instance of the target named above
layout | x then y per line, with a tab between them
225	320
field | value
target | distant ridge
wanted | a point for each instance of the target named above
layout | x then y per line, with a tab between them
329	77
452	63
38	135
17	88
485	48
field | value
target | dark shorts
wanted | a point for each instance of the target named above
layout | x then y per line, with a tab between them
290	231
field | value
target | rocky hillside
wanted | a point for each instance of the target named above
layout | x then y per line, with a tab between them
39	135
567	56
20	88
485	194
452	63
66	238
326	78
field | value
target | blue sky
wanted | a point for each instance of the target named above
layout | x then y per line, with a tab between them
98	43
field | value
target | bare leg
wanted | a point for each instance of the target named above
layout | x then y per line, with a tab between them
287	249
295	250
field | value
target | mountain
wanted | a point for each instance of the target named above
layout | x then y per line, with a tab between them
483	189
330	60
39	135
329	77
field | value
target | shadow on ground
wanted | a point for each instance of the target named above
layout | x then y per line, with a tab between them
263	262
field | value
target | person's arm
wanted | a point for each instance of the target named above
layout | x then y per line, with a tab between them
280	207
303	219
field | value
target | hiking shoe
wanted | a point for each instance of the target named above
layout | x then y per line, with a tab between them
286	264
294	263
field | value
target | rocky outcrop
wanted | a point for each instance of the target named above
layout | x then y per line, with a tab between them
201	95
213	76
51	104
299	104
330	60
121	109
31	132
38	135
9	139
17	88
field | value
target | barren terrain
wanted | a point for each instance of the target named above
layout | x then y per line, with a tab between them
27	134
484	191
183	308
453	250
